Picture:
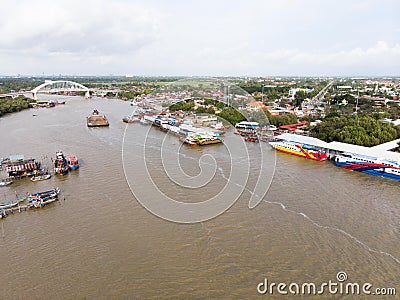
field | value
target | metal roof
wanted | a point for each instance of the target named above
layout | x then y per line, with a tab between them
303	139
387	146
378	151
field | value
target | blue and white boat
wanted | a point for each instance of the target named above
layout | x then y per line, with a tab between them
369	165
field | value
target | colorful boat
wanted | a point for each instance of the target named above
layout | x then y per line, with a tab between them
43	198
73	162
53	192
40	177
60	164
302	150
368	165
12	203
6	205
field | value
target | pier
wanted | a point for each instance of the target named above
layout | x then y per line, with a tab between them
334	148
12	210
21	208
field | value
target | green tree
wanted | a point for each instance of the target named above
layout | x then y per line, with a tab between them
231	115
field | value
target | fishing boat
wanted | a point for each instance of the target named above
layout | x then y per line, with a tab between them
5	182
49	193
43	198
95	120
302	150
368	165
73	162
6	205
60	164
144	121
12	203
40	177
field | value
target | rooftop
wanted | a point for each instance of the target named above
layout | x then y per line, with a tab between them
379	151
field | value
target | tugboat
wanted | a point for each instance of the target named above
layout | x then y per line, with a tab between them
60	164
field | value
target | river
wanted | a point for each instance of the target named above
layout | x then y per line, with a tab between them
101	243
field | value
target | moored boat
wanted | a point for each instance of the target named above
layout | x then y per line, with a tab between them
368	165
206	139
12	203
41	199
144	121
73	162
5	182
301	150
6	205
40	177
60	164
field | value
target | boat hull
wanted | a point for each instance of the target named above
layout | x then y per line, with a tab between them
300	152
40	178
374	169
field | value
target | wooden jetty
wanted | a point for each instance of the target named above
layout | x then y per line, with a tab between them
36	204
16	209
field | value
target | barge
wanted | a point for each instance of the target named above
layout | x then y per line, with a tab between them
95	120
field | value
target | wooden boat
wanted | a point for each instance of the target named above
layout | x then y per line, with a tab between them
5	182
40	202
6	205
40	177
60	164
95	120
73	162
12	203
45	193
43	198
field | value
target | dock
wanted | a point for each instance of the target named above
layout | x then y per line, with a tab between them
17	209
334	148
34	204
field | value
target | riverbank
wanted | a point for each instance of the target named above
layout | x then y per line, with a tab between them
10	105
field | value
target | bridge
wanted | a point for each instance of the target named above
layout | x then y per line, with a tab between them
52	87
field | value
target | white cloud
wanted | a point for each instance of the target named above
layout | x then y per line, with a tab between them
259	37
88	27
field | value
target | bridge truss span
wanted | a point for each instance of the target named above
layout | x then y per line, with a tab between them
50	86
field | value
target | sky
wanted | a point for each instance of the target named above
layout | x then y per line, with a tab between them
200	38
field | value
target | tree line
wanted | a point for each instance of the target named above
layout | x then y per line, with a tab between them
10	105
364	131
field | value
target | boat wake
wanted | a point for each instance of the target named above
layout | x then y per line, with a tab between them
326	227
335	229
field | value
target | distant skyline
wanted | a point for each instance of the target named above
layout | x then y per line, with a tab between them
201	38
